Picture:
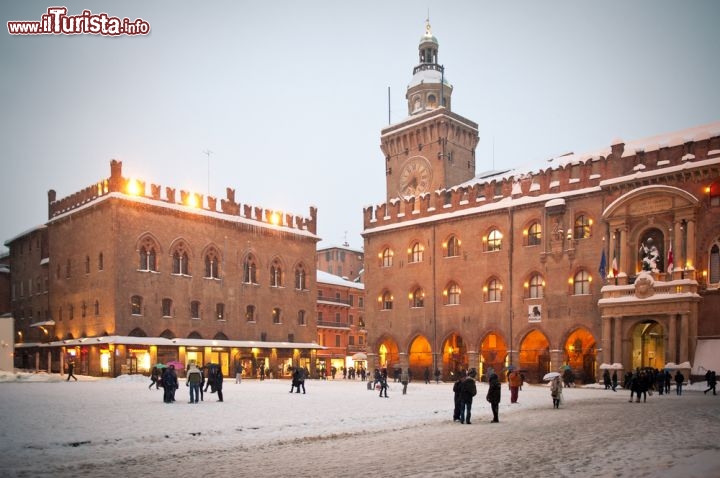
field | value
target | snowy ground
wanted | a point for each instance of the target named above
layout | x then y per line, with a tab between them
110	427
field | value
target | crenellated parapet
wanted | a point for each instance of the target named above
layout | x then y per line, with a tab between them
132	188
624	166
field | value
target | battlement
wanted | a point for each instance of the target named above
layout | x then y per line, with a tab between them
116	183
653	161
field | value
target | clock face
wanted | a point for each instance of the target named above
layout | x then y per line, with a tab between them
415	177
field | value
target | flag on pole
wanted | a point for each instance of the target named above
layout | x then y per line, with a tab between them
614	267
603	267
670	260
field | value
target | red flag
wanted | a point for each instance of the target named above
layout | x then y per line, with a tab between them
670	260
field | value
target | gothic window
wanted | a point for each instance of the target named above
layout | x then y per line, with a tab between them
136	302
148	255
415	252
220	311
250	313
250	270
300	278
582	227
181	259
417	298
386	257
276	315
493	291
386	301
212	264
452	294
581	283
536	287
195	309
534	234
167	307
494	241
453	247
275	274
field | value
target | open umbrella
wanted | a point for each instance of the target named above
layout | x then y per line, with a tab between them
359	356
606	366
159	365
551	375
178	365
566	367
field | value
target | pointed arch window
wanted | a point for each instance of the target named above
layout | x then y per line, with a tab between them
415	253
167	307
581	283
417	298
181	262
275	274
714	275
493	241
386	257
212	264
536	287
453	247
452	294
386	301
136	303
583	227
534	234
250	270
493	290
148	255
300	278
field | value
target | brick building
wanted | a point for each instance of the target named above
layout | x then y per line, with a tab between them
340	322
119	279
342	261
563	265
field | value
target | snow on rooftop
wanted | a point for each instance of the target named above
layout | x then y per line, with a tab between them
332	279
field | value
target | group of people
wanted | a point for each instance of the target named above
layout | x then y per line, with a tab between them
610	383
465	389
644	381
197	379
298	379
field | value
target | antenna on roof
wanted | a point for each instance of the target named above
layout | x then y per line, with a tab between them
389	121
207	153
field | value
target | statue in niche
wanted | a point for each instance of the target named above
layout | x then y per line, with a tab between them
650	256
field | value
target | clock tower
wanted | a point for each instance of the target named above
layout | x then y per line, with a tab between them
433	148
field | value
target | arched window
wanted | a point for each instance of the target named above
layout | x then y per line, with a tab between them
301	317
452	294
136	303
493	291
415	252
714	274
250	270
386	257
582	227
276	318
300	278
536	287
148	255
494	241
417	298
250	313
386	301
212	264
453	247
581	283
220	311
275	274
534	234
181	263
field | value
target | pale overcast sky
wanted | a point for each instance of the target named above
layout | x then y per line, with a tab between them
291	96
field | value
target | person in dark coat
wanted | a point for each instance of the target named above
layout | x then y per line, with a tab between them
679	379
155	378
614	381
219	383
427	375
643	385
606	379
711	379
493	396
170	384
660	382
468	390
383	385
456	393
70	369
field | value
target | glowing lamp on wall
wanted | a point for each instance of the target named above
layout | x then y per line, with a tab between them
192	200
275	218
133	187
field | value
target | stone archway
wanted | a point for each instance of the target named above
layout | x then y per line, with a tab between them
534	356
647	340
580	352
388	356
493	353
420	357
454	356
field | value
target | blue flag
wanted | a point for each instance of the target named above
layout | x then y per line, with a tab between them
603	267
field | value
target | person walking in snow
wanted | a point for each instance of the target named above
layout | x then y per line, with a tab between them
606	379
614	381
493	396
238	372
468	390
514	383
711	381
219	383
556	392
427	375
456	395
404	379
170	384
192	380
70	369
679	379
383	385
155	378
